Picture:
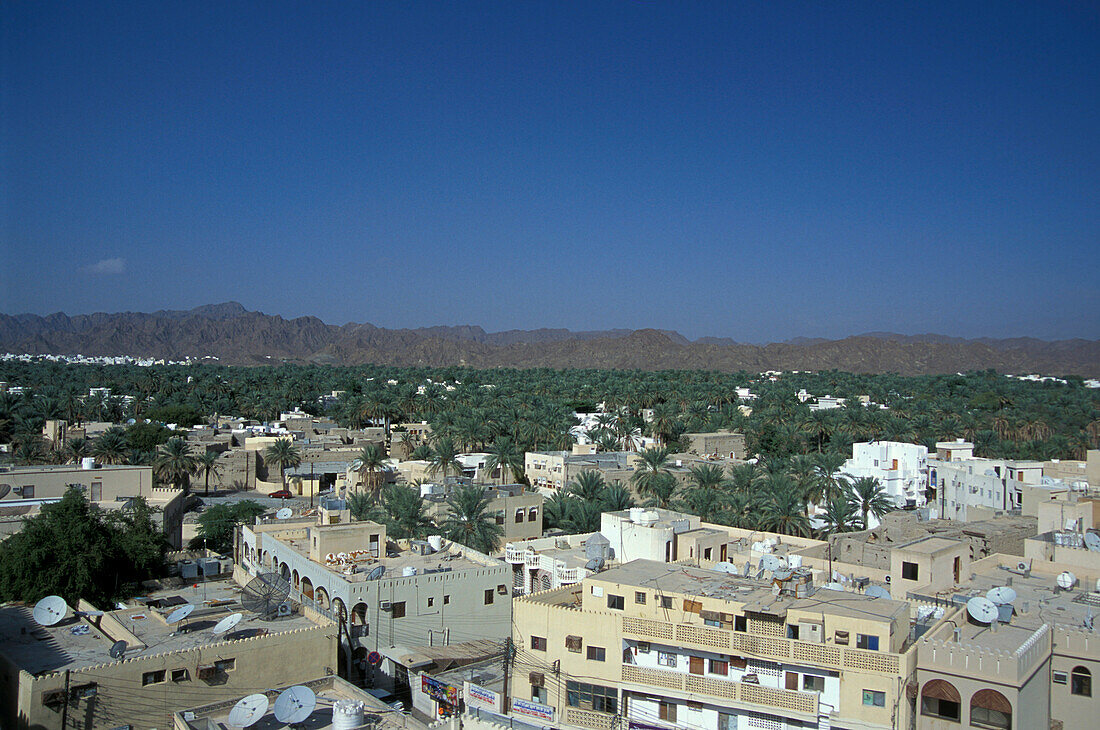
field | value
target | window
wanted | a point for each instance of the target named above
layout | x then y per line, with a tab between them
446	600
792	631
538	643
28	491
740	624
1061	678
991	709
866	641
874	698
573	644
692	606
532	514
502	590
1080	682
538	694
939	698
910	571
152	677
397	610
717	666
488	596
739	662
666	601
707	553
842	638
667	711
180	675
666	659
519	515
810	683
500	518
591	697
597	653
225	665
639	597
615	602
431	602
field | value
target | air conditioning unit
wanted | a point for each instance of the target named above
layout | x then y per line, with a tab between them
385	606
17	489
284	609
643	647
208	671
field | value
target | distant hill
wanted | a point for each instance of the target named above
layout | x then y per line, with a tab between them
237	336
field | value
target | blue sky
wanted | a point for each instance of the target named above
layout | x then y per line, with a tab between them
752	170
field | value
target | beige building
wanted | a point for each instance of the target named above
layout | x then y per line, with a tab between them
515	509
728	444
651	645
63	676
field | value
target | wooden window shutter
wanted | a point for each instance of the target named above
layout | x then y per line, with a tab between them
792	680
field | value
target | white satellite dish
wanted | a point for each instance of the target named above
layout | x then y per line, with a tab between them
1002	595
982	610
180	613
4	489
1066	580
248	711
295	704
376	573
118	649
772	562
833	586
876	592
227	623
50	610
284	514
1092	541
727	568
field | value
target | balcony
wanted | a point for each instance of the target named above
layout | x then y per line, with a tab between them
749	694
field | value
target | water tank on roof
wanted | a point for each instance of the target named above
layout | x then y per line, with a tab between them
436	542
408	571
597	547
649	518
88	462
636	514
347	714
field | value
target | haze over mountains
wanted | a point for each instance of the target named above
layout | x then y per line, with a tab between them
237	336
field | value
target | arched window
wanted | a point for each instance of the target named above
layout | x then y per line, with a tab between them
1080	682
940	699
990	708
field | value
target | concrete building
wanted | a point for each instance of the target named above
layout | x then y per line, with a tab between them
962	483
108	486
516	509
649	645
900	468
62	676
550	562
391	596
663	535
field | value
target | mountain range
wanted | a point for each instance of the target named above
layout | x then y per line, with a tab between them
237	336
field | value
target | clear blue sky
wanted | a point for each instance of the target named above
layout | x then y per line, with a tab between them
752	170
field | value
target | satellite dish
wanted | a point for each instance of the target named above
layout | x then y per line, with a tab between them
376	573
1002	595
726	568
295	704
264	593
1066	580
782	575
248	711
118	649
876	592
50	610
227	623
180	613
4	489
834	586
982	610
772	562
1092	541
284	514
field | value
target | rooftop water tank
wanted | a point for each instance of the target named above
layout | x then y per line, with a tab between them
436	542
88	462
636	514
649	518
347	714
408	570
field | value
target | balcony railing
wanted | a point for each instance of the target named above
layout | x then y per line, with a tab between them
753	694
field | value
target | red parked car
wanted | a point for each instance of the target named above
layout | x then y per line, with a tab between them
281	494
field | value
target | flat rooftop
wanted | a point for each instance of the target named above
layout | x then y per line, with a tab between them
328	690
930	545
452	557
79	641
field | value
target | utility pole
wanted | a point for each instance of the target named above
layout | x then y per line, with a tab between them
65	707
507	663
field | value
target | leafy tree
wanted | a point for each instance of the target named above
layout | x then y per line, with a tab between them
504	455
588	485
423	452
839	516
661	489
651	471
77	449
582	516
217	523
783	510
555	511
362	507
284	455
616	498
111	447
444	459
182	415
469	521
146	436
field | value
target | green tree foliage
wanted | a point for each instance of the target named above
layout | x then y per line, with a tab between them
74	549
216	524
405	513
469	521
182	415
146	436
283	455
174	463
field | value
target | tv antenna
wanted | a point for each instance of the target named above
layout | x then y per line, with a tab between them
982	610
118	650
248	710
295	704
264	593
50	611
227	623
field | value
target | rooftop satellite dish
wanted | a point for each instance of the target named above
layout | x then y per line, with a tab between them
724	567
1092	541
782	575
1002	595
118	649
295	704
4	489
1066	580
876	592
376	573
180	613
264	593
772	562
248	711
227	623
50	610
982	610
284	514
833	586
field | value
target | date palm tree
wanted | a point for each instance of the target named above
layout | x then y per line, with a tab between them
652	468
616	498
504	455
469	521
588	486
175	463
783	509
284	455
405	510
869	498
209	466
444	459
111	447
370	463
839	516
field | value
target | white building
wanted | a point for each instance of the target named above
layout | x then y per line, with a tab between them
900	468
964	482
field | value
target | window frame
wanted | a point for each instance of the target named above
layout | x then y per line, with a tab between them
538	643
878	698
1080	681
595	653
616	603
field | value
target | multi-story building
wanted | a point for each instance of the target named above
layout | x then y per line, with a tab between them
516	509
552	562
652	645
390	595
65	676
965	485
901	469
